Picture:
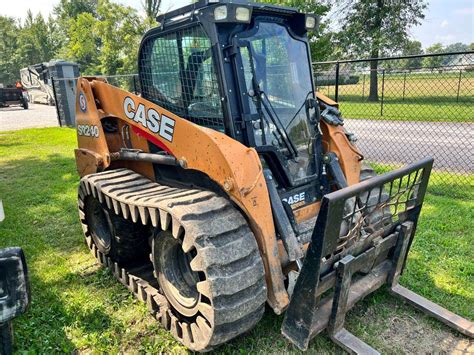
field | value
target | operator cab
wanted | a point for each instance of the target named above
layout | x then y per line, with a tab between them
243	69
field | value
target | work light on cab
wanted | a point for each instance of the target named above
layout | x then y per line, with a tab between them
311	22
220	13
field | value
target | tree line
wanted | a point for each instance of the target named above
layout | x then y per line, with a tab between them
100	35
103	36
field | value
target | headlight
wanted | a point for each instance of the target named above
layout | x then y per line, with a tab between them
220	13
242	14
310	22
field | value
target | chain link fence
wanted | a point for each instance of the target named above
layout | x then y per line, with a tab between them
127	82
405	108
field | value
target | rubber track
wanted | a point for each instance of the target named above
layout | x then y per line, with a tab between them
226	252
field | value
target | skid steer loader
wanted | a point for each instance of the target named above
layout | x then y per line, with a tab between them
229	183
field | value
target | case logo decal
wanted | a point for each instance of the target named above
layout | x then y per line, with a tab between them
296	200
82	102
149	118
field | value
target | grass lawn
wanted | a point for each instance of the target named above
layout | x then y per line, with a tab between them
78	306
406	111
420	97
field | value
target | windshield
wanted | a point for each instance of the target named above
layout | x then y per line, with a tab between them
282	72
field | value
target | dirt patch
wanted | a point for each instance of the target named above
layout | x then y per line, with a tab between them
391	326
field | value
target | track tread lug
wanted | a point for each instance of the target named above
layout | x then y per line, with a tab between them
196	333
177	228
125	211
187	335
133	213
204	287
207	312
226	252
197	264
204	327
154	216
165	219
116	206
188	242
108	202
144	215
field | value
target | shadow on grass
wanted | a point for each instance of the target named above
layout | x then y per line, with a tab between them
440	262
266	338
459	189
40	201
43	328
10	145
39	197
435	250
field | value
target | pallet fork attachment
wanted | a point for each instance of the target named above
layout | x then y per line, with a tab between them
356	250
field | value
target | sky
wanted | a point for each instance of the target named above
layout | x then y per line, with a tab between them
446	21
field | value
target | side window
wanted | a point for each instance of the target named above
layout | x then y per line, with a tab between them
178	73
165	67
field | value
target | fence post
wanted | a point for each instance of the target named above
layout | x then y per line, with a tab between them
336	93
363	86
315	75
56	102
134	85
404	83
383	89
459	85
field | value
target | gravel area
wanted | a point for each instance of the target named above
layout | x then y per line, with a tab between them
403	142
14	117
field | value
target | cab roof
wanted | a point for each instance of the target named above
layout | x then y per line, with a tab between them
201	4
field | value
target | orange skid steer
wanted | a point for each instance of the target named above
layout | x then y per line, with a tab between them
230	183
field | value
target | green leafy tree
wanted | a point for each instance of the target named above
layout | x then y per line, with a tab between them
434	62
457	47
454	47
151	7
412	48
106	40
376	28
83	41
321	41
71	9
9	63
23	45
65	11
52	33
36	42
120	29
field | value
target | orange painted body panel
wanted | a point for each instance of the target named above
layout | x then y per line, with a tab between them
233	166
335	140
326	100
